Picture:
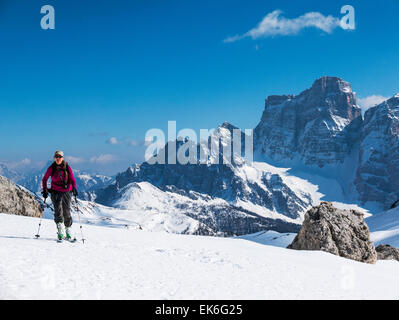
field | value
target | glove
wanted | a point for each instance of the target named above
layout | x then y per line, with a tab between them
45	194
75	192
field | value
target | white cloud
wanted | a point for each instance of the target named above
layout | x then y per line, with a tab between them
104	159
126	141
112	140
74	160
370	101
134	143
274	24
137	143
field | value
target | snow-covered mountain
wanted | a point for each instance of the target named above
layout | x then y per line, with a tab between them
194	213
245	190
8	173
321	132
314	141
87	183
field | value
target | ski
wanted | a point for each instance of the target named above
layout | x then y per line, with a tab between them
74	240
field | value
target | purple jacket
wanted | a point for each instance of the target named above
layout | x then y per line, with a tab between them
57	182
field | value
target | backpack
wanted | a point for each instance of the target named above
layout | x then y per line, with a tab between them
65	169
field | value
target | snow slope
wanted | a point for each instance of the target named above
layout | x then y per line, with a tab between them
145	219
384	227
271	238
132	264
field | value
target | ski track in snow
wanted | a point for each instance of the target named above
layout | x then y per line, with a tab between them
130	264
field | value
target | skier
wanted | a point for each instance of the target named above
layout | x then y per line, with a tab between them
63	183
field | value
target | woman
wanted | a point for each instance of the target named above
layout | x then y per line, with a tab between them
62	184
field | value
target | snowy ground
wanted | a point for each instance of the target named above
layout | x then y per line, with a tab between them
132	264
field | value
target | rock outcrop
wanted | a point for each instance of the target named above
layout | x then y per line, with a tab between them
340	232
386	252
14	200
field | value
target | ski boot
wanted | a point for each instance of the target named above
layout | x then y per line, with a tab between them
69	236
60	232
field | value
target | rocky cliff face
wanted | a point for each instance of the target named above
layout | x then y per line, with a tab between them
14	200
377	177
318	127
340	232
323	127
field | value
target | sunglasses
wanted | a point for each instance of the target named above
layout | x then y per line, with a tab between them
58	157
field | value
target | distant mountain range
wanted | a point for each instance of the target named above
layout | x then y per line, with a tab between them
248	185
332	153
233	199
11	174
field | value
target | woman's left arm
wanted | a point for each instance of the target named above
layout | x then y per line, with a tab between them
72	177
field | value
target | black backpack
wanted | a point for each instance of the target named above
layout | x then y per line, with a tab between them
65	167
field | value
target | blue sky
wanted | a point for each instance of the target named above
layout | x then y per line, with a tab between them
114	69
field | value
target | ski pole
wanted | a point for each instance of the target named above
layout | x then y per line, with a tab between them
80	224
41	217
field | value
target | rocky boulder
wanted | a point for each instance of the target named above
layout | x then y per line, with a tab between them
386	252
340	232
14	200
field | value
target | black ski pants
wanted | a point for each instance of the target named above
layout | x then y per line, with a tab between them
62	207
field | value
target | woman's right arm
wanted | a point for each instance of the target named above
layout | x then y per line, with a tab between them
45	178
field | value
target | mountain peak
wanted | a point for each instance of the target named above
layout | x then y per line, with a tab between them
331	84
392	102
294	126
329	79
227	125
